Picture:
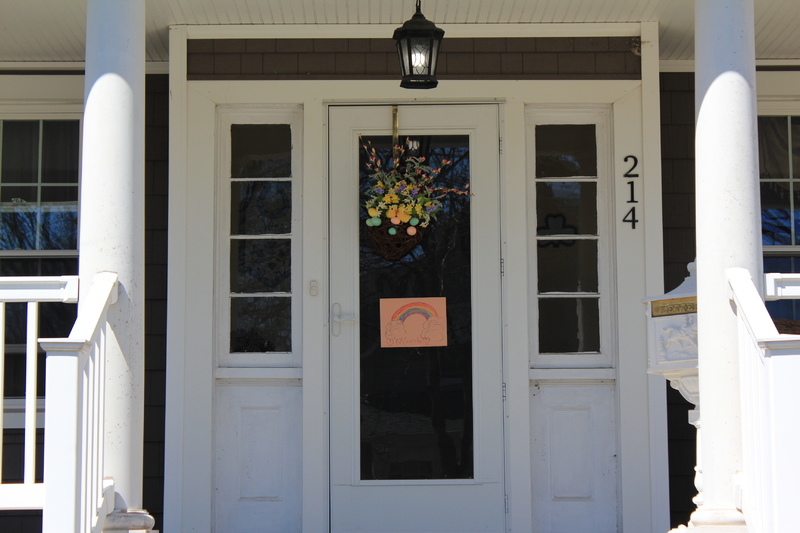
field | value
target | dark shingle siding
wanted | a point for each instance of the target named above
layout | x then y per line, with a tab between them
460	58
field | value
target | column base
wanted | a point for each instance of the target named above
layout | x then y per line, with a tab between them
715	521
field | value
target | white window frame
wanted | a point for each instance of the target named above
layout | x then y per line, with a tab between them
601	117
227	116
41	97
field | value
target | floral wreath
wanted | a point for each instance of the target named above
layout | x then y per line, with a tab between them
402	194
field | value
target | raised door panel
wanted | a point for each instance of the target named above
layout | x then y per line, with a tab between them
257	459
573	457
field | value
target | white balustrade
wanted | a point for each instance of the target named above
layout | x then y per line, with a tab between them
77	496
769	366
27	412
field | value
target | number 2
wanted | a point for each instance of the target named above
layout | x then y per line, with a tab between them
629	173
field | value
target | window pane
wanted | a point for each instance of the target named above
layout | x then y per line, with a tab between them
18	228
773	145
261	207
564	150
60	195
567	266
786	310
566	208
60	153
569	325
59	227
261	265
18	196
18	216
261	151
775	208
416	414
261	324
20	157
58	266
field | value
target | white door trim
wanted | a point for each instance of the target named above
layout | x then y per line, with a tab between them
192	114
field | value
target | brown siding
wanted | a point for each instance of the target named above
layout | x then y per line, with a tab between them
677	164
460	58
677	169
155	331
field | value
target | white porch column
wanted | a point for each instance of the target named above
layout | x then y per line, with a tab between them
728	235
112	220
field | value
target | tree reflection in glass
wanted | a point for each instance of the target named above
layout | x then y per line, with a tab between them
416	403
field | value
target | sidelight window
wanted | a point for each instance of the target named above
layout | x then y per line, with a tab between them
567	248
259	228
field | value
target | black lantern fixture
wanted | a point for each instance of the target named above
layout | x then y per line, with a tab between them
418	42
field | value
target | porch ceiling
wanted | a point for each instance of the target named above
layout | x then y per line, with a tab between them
54	30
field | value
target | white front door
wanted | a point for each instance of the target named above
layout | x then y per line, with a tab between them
416	386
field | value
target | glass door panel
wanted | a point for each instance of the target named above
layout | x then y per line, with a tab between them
416	401
416	409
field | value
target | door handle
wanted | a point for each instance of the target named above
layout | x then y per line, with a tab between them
337	320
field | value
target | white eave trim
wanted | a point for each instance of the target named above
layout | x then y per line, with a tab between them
376	31
150	67
687	65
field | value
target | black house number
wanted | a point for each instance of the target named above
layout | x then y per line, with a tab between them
630	216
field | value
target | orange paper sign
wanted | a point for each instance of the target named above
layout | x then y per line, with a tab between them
413	322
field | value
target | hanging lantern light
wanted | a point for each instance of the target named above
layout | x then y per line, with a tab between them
418	42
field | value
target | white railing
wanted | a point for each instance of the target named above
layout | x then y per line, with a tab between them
27	412
77	495
769	368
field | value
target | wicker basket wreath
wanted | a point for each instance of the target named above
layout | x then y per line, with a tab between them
393	247
401	201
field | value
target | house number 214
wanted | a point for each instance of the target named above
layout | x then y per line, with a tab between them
630	216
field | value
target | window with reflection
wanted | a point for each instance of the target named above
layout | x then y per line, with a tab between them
779	172
39	176
416	409
568	294
39	184
260	256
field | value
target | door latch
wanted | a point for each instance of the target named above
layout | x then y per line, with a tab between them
337	320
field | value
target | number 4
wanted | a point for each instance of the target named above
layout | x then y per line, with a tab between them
631	218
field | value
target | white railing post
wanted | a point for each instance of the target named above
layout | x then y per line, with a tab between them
63	443
75	488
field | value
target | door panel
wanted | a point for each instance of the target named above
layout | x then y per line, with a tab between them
416	429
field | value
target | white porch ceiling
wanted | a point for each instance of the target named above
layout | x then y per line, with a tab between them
54	30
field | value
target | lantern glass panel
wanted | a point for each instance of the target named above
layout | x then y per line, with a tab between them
420	56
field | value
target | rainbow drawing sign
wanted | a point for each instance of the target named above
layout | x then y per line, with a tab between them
413	322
